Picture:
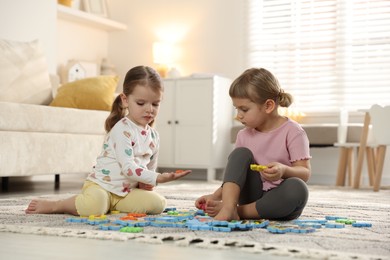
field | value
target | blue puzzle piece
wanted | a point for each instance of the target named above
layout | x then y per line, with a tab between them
300	229
361	224
169	209
282	229
219	223
221	229
310	225
114	227
195	224
262	223
200	212
334	217
306	221
77	220
277	230
334	225
97	221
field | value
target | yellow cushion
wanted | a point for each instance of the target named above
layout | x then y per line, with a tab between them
90	93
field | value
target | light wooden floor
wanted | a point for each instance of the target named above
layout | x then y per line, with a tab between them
21	246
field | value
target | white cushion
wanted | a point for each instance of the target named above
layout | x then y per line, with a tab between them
47	119
24	76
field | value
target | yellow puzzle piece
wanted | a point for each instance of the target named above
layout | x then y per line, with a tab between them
258	167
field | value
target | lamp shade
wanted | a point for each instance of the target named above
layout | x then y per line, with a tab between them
162	53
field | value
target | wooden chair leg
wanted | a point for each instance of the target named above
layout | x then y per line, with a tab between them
376	157
342	168
371	164
362	148
350	164
379	166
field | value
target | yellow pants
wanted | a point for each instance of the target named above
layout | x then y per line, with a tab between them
94	200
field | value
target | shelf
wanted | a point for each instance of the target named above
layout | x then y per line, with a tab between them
81	17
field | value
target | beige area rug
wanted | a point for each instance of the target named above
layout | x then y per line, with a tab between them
324	243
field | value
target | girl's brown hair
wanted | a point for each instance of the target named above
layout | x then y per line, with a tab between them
258	85
137	76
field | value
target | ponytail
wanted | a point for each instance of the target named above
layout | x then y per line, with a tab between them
285	99
117	113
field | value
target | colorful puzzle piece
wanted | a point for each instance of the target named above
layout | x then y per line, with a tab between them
131	229
196	224
282	229
277	229
258	167
109	226
260	223
132	223
310	221
310	225
334	217
361	224
226	226
169	209
334	225
345	221
77	219
203	206
197	220
97	220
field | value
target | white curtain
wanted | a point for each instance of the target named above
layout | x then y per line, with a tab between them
327	54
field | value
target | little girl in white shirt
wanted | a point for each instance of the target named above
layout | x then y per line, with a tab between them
125	172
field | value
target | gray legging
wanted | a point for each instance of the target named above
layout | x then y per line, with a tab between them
284	202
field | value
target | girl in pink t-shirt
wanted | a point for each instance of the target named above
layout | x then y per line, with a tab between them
279	191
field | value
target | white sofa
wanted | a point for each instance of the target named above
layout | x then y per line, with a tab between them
35	138
39	139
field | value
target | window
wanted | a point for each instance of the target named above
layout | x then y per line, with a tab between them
327	54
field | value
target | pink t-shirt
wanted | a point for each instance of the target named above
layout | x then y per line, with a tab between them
286	144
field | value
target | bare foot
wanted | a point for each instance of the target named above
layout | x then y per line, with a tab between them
227	214
220	211
41	207
67	206
213	207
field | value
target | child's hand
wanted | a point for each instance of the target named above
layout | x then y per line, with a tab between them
171	176
274	171
201	202
144	186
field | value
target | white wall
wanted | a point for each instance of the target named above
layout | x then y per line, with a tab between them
61	40
80	42
26	20
211	34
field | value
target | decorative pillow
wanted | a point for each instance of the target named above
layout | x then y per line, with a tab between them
95	93
24	77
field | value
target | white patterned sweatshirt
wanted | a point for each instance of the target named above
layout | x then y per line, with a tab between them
129	156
